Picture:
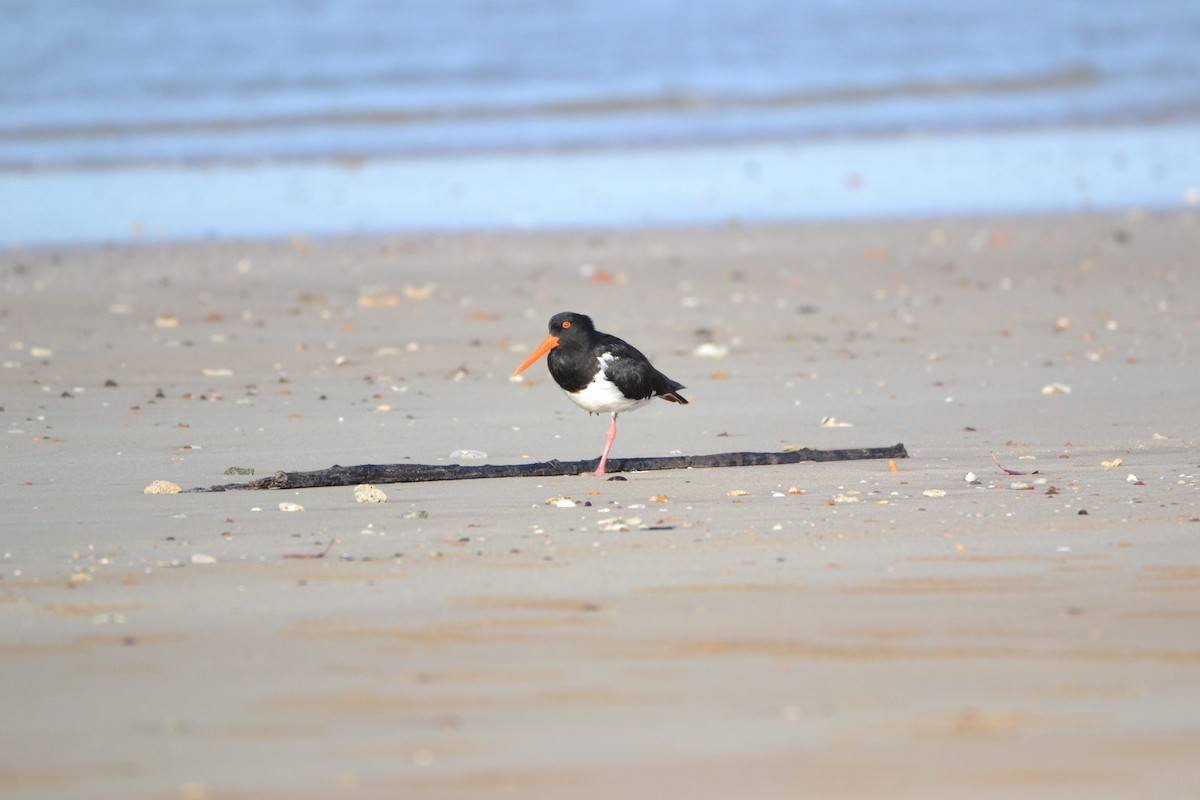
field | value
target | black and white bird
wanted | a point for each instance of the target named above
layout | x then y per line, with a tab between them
600	373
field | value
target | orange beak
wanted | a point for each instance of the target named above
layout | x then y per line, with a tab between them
548	344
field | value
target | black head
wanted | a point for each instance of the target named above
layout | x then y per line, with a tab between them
568	330
571	327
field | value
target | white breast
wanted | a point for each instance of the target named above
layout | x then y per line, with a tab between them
602	395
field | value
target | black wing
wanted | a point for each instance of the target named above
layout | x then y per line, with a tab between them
633	373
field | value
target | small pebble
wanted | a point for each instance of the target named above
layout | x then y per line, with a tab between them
367	493
424	292
617	524
710	350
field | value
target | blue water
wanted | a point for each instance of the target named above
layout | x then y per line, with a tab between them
121	118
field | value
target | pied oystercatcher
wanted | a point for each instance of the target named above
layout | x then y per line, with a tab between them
600	372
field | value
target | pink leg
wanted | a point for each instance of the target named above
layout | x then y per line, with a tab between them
612	434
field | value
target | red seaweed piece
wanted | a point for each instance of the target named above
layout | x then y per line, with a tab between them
321	554
1006	469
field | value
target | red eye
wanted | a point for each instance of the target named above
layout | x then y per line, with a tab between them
566	325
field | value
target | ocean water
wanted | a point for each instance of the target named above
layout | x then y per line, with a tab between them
134	118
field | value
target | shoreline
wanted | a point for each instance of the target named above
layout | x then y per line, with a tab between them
914	175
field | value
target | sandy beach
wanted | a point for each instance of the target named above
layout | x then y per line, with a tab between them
835	630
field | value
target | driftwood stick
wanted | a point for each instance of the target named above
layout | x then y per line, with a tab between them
412	473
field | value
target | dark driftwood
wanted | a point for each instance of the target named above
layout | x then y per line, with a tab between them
412	473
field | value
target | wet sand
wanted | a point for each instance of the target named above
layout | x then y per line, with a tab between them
906	634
